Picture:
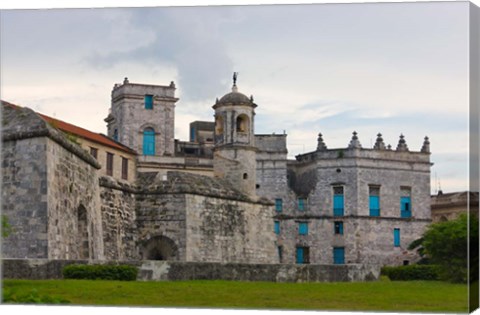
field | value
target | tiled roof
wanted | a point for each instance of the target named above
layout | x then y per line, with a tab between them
81	132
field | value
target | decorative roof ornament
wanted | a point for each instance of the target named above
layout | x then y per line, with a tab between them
379	144
389	147
320	144
402	144
172	84
125	81
251	98
354	143
234	87
426	145
216	101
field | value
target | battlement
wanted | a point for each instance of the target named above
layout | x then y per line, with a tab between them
379	152
140	90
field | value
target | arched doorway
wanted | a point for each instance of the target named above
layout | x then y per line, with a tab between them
82	233
160	248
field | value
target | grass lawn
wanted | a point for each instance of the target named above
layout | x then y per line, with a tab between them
413	296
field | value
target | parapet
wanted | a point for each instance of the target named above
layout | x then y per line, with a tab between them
137	89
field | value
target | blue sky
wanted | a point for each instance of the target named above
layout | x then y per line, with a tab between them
332	68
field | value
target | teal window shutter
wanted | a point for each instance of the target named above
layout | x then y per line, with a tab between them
192	134
278	205
149	142
338	205
405	207
338	255
300	253
277	227
302	228
148	101
301	204
374	206
396	237
338	227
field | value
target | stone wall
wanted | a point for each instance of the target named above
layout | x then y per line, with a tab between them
183	271
118	219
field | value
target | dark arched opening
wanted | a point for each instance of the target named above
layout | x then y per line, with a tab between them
82	233
160	248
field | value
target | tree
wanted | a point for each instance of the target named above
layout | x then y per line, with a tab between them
446	244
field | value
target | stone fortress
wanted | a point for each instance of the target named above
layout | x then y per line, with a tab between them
227	195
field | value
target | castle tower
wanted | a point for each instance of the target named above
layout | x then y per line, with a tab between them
235	151
142	117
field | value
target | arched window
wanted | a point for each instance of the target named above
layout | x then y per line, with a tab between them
218	125
242	123
149	141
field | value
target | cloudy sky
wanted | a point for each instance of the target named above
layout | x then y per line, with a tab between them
331	68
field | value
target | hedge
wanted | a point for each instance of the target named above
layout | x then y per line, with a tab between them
412	272
100	272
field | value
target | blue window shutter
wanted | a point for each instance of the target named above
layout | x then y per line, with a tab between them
192	134
301	204
405	207
300	255
277	227
148	101
303	228
278	205
374	206
338	227
338	255
396	237
338	205
149	142
115	135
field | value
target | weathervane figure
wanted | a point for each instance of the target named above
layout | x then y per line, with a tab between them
235	74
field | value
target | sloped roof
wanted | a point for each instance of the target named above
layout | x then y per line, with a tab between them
23	123
81	132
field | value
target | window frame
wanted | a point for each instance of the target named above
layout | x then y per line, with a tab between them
303	228
110	161
374	200
338	255
278	204
396	237
148	101
124	168
276	227
337	211
338	227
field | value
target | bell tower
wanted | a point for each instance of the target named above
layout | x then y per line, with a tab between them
235	151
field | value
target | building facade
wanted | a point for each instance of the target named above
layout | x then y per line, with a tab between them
228	194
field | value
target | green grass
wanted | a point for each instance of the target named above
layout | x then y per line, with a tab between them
419	296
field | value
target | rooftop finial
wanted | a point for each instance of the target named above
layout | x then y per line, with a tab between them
125	81
402	144
235	74
354	143
426	145
320	144
379	144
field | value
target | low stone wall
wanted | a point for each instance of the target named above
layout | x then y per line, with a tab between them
172	270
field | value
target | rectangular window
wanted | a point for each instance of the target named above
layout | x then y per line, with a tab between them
278	205
374	200
124	168
338	227
301	204
405	202
302	255
94	152
148	101
302	228
109	164
339	255
192	134
396	237
280	253
338	201
277	227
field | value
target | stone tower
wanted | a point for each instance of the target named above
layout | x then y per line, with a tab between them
142	117
235	150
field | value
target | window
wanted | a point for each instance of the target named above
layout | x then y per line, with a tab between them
245	176
338	227
302	255
396	237
124	168
148	101
339	255
302	228
115	135
374	200
192	134
405	202
94	152
278	205
280	253
109	164
149	141
277	227
301	204
338	201
242	123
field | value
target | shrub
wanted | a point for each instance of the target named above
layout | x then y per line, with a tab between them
412	272
31	297
100	272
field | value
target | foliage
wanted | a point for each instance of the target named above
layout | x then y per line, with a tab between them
445	243
100	272
6	227
31	297
391	296
412	272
